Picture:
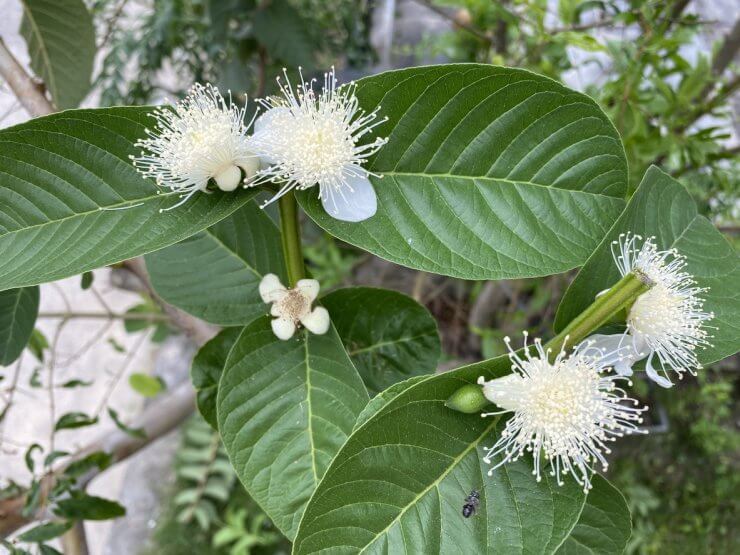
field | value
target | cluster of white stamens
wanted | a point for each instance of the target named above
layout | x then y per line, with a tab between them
564	410
305	139
201	138
668	320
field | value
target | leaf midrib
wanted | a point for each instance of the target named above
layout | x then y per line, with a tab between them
490	179
43	50
435	483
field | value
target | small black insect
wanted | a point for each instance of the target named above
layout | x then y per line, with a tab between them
471	504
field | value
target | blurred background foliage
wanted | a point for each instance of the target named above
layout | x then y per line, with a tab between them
669	97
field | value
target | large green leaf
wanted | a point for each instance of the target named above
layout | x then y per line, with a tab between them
215	274
61	43
388	335
662	207
205	372
70	200
18	311
605	524
489	173
284	410
399	483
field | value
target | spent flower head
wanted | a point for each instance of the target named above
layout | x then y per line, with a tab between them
306	138
202	137
566	411
667	321
292	307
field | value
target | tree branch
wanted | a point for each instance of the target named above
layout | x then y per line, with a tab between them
26	90
158	419
728	50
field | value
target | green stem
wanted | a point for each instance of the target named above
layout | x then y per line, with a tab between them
620	296
291	237
470	399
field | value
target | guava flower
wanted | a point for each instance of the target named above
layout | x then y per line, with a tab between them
202	137
565	410
667	321
292	307
306	139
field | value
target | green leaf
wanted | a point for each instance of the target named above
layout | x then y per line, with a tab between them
281	30
61	43
88	507
146	385
86	280
662	207
284	410
74	420
71	200
29	455
384	397
215	275
98	459
399	483
45	532
18	311
37	343
388	336
206	370
489	173
605	524
134	432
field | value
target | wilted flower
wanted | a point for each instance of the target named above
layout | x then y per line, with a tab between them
565	410
293	306
201	138
667	320
306	139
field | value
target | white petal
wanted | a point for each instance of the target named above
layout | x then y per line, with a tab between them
250	165
317	321
309	287
354	205
653	374
620	351
263	122
283	329
271	289
228	178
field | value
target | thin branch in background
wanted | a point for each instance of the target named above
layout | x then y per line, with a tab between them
110	24
133	351
456	21
26	90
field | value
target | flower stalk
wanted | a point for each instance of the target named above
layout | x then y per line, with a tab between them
291	238
617	298
469	399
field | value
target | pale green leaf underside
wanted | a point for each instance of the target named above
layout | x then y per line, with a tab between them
399	483
61	43
604	526
489	173
388	335
661	207
18	311
215	274
284	410
71	201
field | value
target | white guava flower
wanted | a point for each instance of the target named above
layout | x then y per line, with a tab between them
202	137
292	307
667	321
565	410
306	139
